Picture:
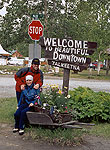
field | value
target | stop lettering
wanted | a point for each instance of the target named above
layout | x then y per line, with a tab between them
35	30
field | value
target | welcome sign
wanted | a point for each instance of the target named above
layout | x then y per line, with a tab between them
67	53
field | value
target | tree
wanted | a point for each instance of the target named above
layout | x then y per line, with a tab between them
15	25
78	19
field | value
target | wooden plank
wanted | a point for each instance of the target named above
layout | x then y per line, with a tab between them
87	124
66	42
70	122
77	52
77	59
72	126
92	45
65	65
39	118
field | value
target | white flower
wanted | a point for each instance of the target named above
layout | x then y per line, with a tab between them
44	104
68	96
55	106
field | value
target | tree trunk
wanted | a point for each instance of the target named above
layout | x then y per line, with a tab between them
98	68
107	67
45	13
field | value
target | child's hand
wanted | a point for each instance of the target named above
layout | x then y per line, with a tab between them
22	86
36	86
31	104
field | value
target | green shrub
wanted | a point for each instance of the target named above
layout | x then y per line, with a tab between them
83	103
90	105
7	109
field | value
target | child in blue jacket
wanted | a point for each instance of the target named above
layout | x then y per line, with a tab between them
28	95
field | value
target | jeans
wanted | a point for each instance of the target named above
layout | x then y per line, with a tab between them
18	94
20	116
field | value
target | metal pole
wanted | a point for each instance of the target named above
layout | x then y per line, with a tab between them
35	44
35	48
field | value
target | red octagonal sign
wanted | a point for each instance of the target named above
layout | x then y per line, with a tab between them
35	30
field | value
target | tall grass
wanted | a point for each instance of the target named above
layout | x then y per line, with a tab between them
102	130
58	136
7	109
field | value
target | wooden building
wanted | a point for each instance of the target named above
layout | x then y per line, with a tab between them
16	54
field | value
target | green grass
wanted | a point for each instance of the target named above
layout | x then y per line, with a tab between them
85	74
102	130
10	68
7	109
59	136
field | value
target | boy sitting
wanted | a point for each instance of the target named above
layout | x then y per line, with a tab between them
29	96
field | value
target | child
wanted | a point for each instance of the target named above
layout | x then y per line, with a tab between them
28	95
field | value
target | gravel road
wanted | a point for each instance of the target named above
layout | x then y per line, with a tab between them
7	84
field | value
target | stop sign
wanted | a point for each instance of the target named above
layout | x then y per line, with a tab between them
35	30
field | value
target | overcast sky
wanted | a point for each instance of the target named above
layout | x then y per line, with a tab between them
3	11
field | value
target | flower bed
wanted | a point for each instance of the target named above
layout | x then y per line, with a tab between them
82	104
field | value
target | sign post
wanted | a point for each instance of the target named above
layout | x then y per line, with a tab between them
66	81
68	54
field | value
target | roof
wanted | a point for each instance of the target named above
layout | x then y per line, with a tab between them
16	54
3	52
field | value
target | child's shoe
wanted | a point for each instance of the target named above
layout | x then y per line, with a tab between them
15	130
21	132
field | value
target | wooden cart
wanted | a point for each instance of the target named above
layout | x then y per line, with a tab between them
39	118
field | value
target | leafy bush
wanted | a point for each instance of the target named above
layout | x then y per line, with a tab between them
83	103
90	105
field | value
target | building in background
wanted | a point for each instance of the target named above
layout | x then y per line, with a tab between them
3	56
15	53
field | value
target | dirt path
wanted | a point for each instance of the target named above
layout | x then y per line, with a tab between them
12	141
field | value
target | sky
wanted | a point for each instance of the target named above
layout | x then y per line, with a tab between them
3	11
